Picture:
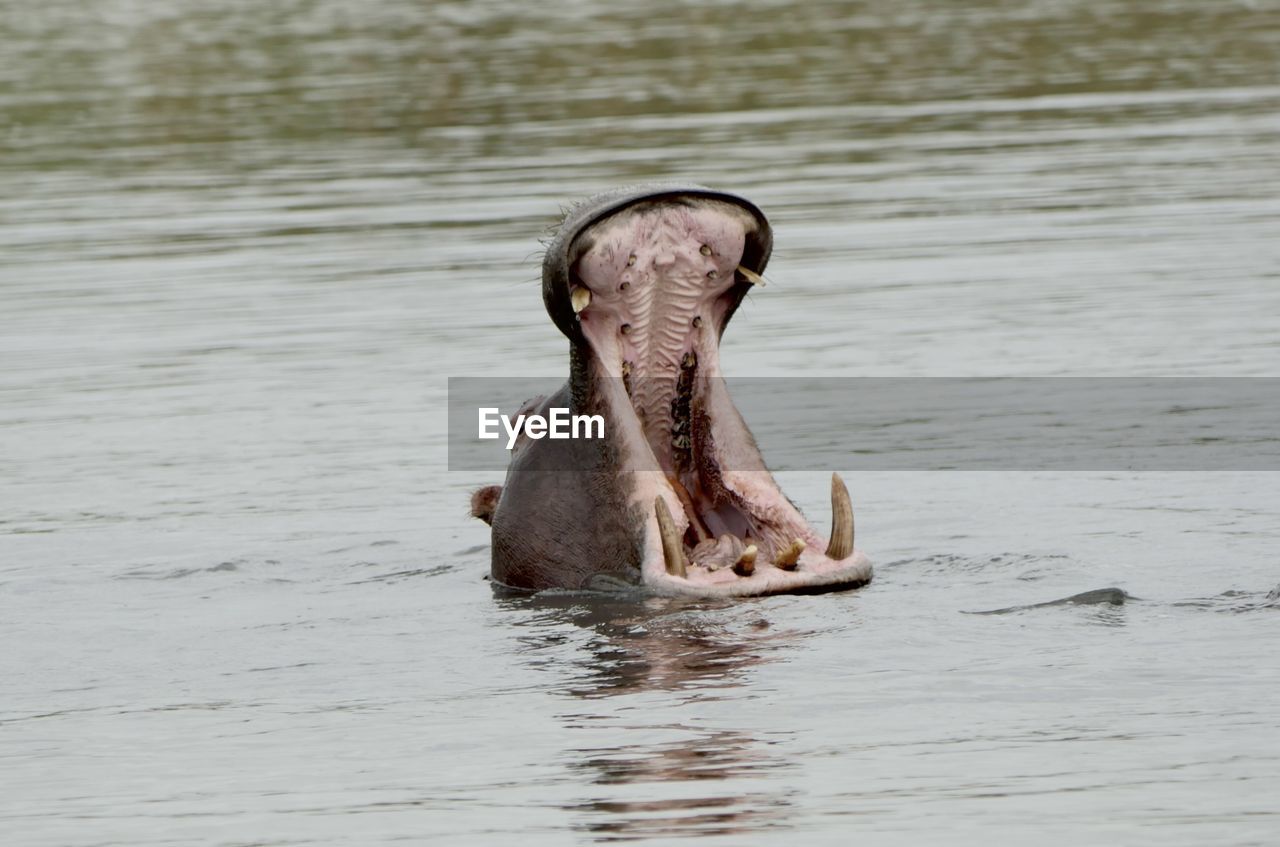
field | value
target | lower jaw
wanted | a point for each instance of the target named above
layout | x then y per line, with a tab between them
716	522
728	565
854	572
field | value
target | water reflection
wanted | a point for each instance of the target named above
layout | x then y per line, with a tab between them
635	782
701	816
714	755
703	654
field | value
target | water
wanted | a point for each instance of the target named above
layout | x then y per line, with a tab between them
243	245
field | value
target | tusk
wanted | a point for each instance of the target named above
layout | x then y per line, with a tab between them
841	544
752	277
746	564
699	528
788	558
581	299
672	548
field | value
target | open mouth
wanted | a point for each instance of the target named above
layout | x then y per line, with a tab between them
651	287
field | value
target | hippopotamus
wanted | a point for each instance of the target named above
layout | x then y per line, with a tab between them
674	498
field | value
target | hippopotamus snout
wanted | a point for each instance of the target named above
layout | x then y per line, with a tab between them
675	498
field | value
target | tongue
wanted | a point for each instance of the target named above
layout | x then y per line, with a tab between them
716	553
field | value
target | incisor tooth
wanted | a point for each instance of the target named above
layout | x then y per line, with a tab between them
841	544
788	558
672	548
581	299
746	564
752	277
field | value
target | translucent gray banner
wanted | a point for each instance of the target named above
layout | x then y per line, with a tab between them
910	424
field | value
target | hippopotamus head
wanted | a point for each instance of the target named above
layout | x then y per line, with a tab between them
674	498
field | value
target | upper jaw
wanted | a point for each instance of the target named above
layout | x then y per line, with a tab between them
565	248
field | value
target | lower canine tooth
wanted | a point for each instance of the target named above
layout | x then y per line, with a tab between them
751	276
788	558
672	548
746	564
690	510
581	299
841	544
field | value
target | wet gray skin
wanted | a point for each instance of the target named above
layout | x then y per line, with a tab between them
675	499
1096	597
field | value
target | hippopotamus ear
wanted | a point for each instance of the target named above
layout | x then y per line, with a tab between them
562	253
484	502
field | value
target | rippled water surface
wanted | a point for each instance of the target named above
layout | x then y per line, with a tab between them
243	245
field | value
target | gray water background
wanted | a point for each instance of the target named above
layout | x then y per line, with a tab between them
243	245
